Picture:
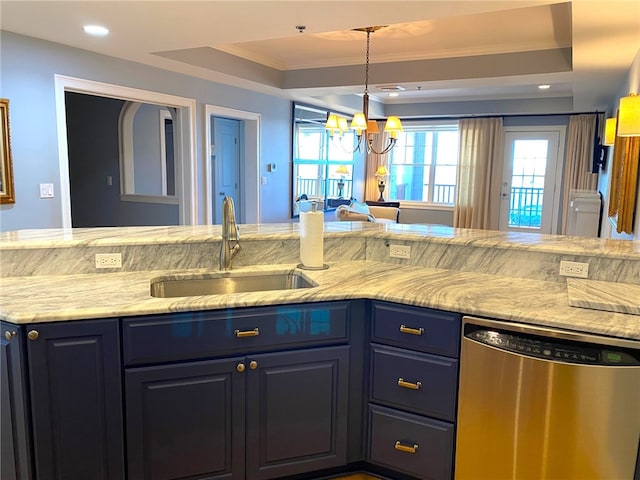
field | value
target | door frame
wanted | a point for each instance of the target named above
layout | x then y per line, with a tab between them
558	183
249	168
186	186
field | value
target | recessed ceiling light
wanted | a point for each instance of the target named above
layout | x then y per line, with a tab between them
544	87
96	30
394	94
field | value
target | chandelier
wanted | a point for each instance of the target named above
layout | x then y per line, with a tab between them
365	128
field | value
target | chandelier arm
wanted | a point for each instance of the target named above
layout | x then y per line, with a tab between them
384	151
342	147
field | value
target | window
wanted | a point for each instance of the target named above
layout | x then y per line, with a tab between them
323	169
423	164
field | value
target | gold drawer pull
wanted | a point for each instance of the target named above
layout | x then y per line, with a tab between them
406	448
411	331
409	385
247	333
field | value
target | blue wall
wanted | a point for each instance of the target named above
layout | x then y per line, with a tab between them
27	71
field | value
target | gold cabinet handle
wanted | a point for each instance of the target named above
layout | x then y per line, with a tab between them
247	333
33	335
406	448
253	364
409	385
240	367
9	334
411	331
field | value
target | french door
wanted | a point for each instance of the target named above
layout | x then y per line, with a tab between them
531	182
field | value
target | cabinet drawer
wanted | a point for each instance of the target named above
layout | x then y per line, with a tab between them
422	329
418	382
411	444
184	336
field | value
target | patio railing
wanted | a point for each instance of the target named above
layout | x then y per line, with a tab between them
315	187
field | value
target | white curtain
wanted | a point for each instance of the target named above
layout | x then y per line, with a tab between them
374	160
577	170
479	174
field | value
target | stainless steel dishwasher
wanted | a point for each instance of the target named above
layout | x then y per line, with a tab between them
542	403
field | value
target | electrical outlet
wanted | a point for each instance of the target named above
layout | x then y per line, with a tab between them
574	269
108	260
399	251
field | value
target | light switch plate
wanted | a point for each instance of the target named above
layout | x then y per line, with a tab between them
46	190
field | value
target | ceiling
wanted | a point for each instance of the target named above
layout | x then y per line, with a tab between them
431	51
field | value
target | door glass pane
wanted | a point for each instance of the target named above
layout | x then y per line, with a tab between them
527	183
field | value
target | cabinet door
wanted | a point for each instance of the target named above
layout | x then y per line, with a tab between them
186	420
14	440
296	412
76	400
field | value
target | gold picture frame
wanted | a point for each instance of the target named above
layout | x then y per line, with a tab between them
6	173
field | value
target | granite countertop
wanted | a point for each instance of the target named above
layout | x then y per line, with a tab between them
118	236
50	298
606	296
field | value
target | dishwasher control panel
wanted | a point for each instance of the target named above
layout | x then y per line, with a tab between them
553	349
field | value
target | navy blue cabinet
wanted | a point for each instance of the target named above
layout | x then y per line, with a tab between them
186	420
256	393
252	393
76	400
15	461
413	389
297	412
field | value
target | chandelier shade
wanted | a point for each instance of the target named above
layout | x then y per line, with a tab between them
364	127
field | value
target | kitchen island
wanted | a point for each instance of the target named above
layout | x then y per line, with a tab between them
321	355
50	275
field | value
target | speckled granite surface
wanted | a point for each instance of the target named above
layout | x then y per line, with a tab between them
354	251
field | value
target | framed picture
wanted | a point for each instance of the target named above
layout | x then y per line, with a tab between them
6	170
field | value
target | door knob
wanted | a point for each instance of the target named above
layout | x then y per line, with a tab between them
33	335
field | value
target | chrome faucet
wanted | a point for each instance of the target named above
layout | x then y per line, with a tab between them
229	234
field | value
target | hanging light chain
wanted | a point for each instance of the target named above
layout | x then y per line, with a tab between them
366	70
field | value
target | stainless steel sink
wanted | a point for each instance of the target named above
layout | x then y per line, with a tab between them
227	283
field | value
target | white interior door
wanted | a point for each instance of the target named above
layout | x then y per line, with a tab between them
531	181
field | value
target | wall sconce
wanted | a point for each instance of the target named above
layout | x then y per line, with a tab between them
610	131
629	116
382	173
